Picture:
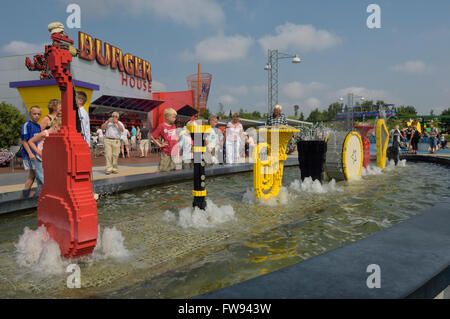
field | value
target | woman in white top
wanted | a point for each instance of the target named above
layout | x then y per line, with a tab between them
124	141
100	135
234	134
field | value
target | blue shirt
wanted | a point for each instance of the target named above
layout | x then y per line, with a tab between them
29	129
133	131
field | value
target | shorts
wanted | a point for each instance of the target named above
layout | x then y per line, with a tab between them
124	141
187	164
166	163
433	142
28	164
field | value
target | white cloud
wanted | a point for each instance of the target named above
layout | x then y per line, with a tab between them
192	13
312	103
412	66
227	99
302	38
297	90
248	90
220	48
368	94
241	90
20	47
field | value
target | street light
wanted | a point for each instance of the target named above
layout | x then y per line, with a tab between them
272	68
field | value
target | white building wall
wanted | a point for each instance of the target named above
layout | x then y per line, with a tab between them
13	69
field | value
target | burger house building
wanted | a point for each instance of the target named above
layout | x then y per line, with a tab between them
119	81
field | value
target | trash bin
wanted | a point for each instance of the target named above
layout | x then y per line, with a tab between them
311	157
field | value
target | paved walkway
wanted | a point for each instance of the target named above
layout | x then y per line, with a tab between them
13	182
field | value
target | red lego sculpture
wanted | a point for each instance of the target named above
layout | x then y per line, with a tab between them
363	130
66	205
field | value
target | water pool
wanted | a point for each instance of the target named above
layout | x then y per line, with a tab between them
172	257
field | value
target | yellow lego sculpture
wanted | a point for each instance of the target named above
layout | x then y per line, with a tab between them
268	172
382	139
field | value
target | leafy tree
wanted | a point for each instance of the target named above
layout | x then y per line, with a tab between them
367	103
11	121
333	109
302	117
315	116
406	110
296	107
206	114
446	112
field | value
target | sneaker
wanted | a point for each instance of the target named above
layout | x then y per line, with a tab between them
107	172
115	172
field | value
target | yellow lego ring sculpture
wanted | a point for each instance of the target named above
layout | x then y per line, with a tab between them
268	173
382	139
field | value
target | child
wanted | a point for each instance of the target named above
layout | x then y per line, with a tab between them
185	144
37	148
212	142
30	129
167	131
81	98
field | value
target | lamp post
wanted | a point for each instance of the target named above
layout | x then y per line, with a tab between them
272	67
350	105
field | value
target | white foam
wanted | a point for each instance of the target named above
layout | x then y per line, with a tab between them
310	186
110	244
391	164
371	170
281	199
212	216
37	251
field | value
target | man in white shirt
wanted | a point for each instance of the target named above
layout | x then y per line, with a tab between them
113	131
84	116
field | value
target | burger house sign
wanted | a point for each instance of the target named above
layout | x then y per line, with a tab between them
136	72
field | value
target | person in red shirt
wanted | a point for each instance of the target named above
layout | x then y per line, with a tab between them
167	132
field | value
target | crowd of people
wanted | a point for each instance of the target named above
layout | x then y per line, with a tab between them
409	138
171	138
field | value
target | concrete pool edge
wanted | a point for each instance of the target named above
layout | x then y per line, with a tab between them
413	256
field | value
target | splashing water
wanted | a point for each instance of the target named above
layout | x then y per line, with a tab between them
310	186
196	218
40	253
110	245
282	198
371	170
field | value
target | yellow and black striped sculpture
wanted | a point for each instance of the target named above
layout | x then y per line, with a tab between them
198	136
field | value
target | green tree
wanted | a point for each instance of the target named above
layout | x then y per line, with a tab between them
333	109
367	103
302	117
406	110
315	116
206	114
11	121
296	107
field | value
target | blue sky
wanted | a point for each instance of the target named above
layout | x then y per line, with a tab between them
403	62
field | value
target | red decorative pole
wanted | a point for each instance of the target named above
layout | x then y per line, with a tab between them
198	93
66	205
